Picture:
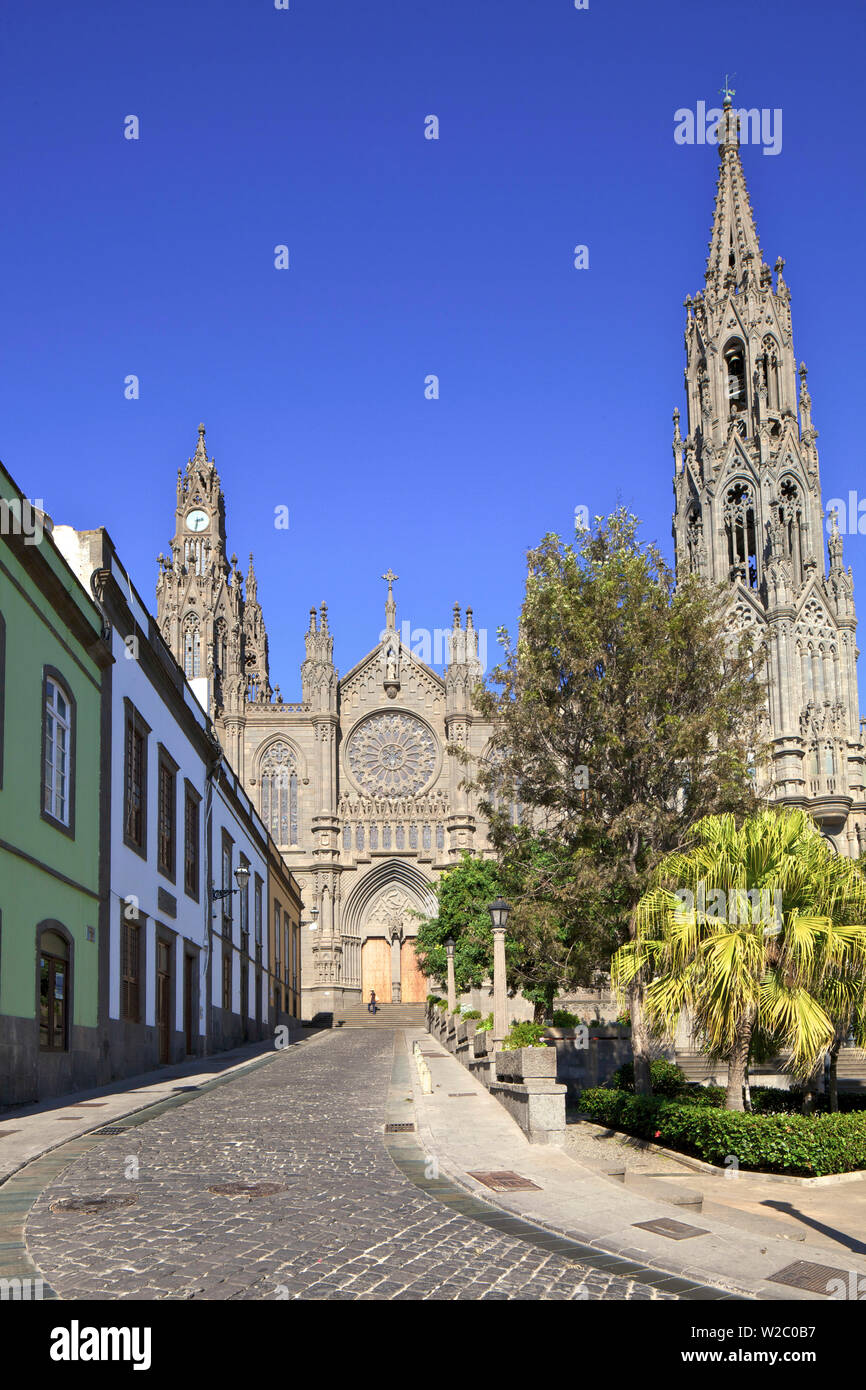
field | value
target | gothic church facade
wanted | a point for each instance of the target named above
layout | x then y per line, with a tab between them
748	511
354	782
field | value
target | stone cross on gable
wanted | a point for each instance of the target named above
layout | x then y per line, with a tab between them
390	605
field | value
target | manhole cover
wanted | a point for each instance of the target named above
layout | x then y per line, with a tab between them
506	1182
400	1129
674	1230
91	1206
111	1129
246	1189
802	1274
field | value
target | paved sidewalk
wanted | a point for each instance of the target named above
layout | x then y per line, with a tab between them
466	1130
27	1131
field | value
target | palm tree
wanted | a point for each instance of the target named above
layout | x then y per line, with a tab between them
750	927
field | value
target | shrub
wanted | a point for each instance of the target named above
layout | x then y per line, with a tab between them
486	1025
458	1010
624	1020
563	1019
803	1145
667	1078
471	1013
433	998
524	1035
442	1004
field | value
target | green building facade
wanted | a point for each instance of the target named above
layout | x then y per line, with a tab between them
53	819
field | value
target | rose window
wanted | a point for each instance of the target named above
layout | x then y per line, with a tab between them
392	755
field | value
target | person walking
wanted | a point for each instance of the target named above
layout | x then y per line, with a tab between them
371	1007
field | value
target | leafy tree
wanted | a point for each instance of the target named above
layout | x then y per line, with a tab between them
623	712
756	928
463	894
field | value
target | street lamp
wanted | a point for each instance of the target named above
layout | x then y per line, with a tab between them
242	878
452	990
499	911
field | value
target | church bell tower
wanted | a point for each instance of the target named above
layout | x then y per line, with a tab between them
748	511
217	636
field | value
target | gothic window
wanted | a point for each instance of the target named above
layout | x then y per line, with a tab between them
440	837
739	513
279	798
193	556
374	837
359	837
735	364
191	647
770	360
791	517
347	837
400	837
427	837
413	837
829	761
219	645
386	837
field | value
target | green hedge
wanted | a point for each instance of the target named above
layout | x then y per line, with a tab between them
800	1145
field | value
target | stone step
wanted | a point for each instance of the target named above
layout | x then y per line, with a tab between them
667	1190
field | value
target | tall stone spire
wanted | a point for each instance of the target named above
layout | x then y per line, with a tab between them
749	512
735	253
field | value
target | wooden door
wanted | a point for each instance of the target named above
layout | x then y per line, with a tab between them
413	984
188	1003
376	969
163	999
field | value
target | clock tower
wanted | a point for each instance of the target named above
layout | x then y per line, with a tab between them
215	635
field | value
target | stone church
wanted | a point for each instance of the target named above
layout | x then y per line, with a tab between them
354	783
748	511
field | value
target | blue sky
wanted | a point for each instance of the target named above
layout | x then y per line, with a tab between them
408	257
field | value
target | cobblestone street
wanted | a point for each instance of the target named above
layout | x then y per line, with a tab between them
345	1223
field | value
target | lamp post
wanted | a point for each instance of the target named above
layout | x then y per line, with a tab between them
452	991
499	910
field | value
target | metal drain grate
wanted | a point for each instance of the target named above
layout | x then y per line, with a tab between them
90	1206
400	1129
506	1182
184	1088
111	1129
802	1274
246	1189
461	1095
92	1104
674	1230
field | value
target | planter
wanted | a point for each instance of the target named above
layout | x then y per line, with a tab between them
527	1063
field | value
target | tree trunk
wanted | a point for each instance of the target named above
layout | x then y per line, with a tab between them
639	1041
832	1080
747	1089
738	1062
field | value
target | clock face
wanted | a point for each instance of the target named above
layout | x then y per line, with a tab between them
197	520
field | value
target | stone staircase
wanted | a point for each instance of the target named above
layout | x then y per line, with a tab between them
850	1069
386	1016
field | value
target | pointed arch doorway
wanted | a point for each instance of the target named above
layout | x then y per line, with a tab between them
383	910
